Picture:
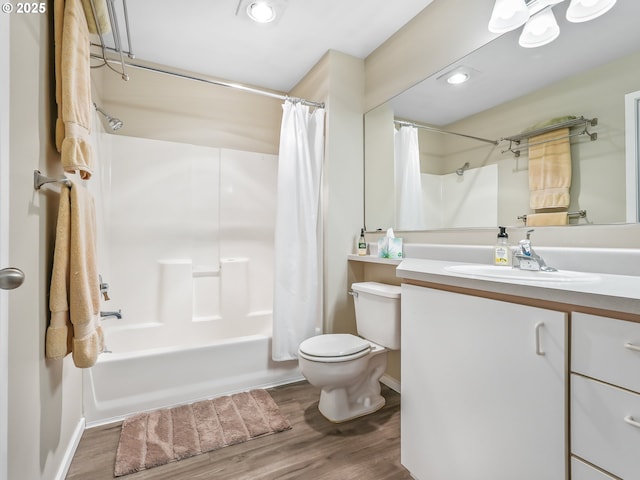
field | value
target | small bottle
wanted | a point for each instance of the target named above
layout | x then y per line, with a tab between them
502	252
362	244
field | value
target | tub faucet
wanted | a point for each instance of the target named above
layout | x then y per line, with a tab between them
117	314
528	259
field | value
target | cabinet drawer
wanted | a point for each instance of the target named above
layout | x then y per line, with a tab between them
606	349
582	471
601	426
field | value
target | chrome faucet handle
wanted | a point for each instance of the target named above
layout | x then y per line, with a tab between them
528	259
104	288
527	262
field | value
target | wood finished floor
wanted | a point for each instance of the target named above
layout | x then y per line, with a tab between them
364	448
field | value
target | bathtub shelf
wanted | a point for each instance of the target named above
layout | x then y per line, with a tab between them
373	259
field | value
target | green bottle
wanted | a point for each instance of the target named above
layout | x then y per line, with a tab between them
362	244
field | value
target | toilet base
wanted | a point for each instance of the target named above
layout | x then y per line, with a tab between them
343	403
330	406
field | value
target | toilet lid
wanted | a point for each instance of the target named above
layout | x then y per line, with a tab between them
334	345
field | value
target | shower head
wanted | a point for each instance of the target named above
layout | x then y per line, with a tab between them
114	123
460	171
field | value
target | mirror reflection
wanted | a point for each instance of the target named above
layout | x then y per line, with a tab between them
482	181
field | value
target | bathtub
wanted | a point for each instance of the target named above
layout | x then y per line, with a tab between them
202	339
120	384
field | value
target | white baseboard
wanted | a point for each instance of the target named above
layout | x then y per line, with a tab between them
390	382
71	450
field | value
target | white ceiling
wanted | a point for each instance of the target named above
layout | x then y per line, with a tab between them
207	37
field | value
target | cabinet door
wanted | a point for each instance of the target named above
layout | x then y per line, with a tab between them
483	388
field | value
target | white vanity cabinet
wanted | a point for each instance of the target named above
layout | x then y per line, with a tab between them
605	395
483	388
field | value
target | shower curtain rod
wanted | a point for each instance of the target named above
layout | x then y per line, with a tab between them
439	130
217	82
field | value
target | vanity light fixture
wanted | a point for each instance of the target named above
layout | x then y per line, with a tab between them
508	15
540	29
540	25
585	10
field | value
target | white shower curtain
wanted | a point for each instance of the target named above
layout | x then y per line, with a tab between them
408	185
298	256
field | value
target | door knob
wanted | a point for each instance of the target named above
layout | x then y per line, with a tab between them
11	278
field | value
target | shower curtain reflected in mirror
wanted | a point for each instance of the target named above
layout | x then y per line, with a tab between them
298	249
408	186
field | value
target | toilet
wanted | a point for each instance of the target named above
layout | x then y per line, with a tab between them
347	368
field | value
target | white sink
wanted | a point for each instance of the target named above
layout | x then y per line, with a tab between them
496	272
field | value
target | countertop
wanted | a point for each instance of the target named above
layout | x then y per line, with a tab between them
609	292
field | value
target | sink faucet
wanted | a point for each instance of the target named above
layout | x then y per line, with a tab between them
528	259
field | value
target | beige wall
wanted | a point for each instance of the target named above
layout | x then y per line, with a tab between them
443	32
44	396
379	174
338	80
165	107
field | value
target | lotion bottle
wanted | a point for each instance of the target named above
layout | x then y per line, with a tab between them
362	244
502	252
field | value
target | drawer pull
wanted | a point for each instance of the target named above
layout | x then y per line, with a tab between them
539	350
630	420
631	346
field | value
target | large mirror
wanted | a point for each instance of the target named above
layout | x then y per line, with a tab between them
467	182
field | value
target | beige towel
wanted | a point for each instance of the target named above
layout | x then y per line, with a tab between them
550	170
75	291
73	87
101	13
541	219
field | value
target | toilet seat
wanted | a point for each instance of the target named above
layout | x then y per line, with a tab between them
334	347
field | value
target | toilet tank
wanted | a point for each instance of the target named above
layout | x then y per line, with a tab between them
377	308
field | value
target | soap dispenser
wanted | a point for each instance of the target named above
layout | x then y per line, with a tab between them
502	252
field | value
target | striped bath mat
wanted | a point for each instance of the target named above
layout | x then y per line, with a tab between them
155	438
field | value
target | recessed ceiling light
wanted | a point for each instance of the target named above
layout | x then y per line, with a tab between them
458	78
261	12
457	75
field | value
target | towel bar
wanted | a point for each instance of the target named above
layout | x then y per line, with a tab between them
118	47
580	214
39	180
517	139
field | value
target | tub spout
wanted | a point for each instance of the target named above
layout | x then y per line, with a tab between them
117	314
